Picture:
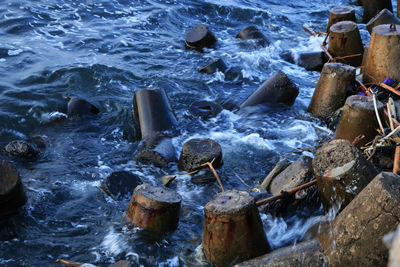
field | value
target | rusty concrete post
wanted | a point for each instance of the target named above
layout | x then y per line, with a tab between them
345	41
355	237
373	7
199	37
342	172
359	118
233	230
341	13
331	90
383	17
383	54
154	208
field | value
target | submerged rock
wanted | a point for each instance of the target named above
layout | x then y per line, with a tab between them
253	33
197	151
21	149
204	109
79	107
120	184
199	37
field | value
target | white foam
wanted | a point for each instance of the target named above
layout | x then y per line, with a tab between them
114	243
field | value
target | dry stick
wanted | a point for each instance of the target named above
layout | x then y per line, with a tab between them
290	192
364	88
355	55
209	164
390	116
178	175
391	89
377	114
358	139
69	263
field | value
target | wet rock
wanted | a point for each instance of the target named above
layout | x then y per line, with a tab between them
156	150
154	208
312	61
277	89
12	195
198	151
121	264
216	65
233	230
298	173
356	234
204	109
341	171
288	56
199	37
253	33
21	149
79	107
383	17
120	184
153	113
307	253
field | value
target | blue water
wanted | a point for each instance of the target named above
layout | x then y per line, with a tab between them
105	51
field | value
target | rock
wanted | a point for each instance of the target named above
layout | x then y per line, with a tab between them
335	82
21	149
154	208
356	234
156	150
12	195
233	230
198	151
277	89
298	173
383	17
153	113
216	65
253	33
199	37
307	253
119	184
204	109
79	107
341	171
312	61
359	118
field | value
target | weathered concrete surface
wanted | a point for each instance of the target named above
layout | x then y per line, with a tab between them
383	17
356	235
198	151
341	13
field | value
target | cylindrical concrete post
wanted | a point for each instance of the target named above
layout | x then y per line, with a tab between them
331	90
198	151
345	41
342	172
373	7
277	89
153	112
359	118
383	54
157	150
154	208
355	237
233	230
253	33
341	13
383	17
12	195
199	37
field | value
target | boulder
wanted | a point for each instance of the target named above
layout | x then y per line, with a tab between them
198	151
21	149
253	33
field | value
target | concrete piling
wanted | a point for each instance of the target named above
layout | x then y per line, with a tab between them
373	7
199	37
383	17
341	13
154	208
330	94
345	43
233	230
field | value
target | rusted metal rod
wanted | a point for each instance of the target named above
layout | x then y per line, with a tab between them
290	192
209	164
389	88
309	30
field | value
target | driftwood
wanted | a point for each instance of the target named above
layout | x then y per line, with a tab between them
290	192
209	164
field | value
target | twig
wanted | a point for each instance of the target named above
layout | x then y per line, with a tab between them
364	88
209	164
358	139
377	114
355	55
390	116
167	179
290	192
396	161
69	263
279	167
391	89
